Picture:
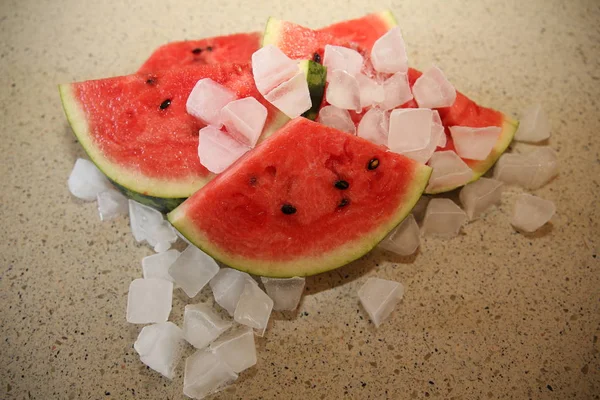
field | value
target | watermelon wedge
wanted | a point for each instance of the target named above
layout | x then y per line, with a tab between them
307	200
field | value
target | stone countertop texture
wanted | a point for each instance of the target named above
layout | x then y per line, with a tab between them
491	314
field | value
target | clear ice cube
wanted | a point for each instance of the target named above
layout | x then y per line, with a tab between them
253	308
292	96
217	150
437	124
437	132
207	99
144	220
419	209
149	301
111	204
478	196
531	212
432	89
86	181
379	297
157	266
271	68
192	270
201	325
160	347
286	292
205	373
343	59
534	125
337	118
531	171
396	91
236	348
404	239
342	91
374	126
410	129
449	171
244	120
227	287
371	92
388	54
474	143
443	218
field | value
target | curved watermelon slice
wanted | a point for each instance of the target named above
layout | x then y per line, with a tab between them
307	200
136	129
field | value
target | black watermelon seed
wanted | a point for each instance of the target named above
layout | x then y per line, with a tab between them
342	185
253	181
373	163
317	58
344	202
197	50
288	209
151	80
165	104
209	48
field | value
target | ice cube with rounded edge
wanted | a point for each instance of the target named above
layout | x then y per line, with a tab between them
149	301
374	126
192	270
157	266
420	207
161	237
388	53
227	286
244	120
285	292
410	129
443	218
201	325
112	203
161	247
404	239
437	131
432	89
337	118
86	181
371	92
292	96
437	124
396	91
478	196
474	143
271	67
531	212
534	126
253	308
531	171
236	348
379	297
342	59
342	91
205	374
449	170
207	99
143	220
217	150
160	347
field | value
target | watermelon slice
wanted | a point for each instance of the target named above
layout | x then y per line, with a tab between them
236	48
307	200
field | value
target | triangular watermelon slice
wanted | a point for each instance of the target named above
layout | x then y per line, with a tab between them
308	199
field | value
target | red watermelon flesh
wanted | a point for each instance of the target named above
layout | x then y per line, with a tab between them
240	217
236	48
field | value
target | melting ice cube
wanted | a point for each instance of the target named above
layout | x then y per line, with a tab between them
437	125
244	120
271	68
419	209
192	270
292	96
343	59
201	325
432	89
227	286
437	132
337	118
371	92
388	54
207	99
410	129
443	218
474	143
86	181
149	301
449	171
236	348
374	126
111	204
206	373
379	298
253	308
217	150
342	91
157	266
478	196
531	212
160	347
531	171
286	293
534	126
144	220
396	91
404	239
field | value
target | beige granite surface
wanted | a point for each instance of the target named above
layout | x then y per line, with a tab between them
492	314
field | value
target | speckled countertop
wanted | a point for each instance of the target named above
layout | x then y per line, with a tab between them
490	314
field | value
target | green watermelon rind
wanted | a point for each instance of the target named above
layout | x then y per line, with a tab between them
309	265
316	76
